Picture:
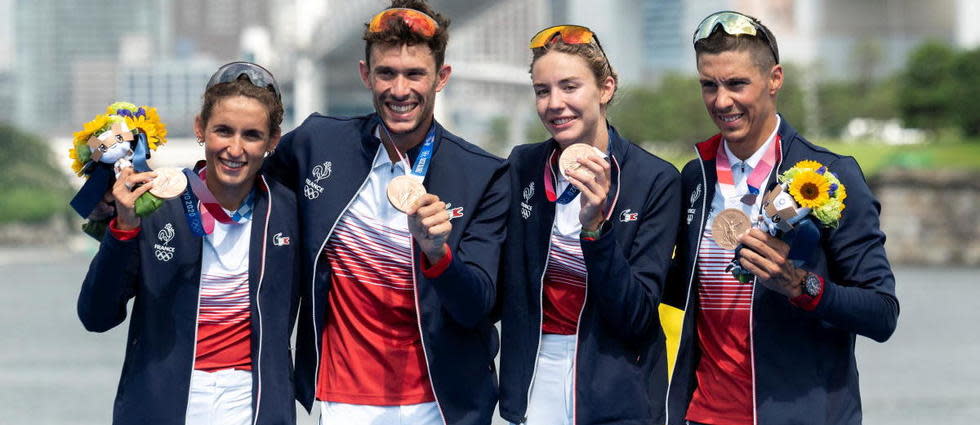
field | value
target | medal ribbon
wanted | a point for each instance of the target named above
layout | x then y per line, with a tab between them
726	182
550	183
139	156
571	192
201	221
422	162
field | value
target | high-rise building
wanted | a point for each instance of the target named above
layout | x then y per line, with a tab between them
489	98
831	37
6	34
6	61
214	27
54	38
174	87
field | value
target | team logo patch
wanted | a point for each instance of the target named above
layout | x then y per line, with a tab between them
312	189
696	194
279	240
164	252
525	207
628	215
454	212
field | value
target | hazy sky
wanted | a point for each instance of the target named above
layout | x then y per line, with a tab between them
6	33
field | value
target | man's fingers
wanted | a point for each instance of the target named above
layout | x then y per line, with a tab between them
760	242
751	261
441	229
434	219
422	202
434	208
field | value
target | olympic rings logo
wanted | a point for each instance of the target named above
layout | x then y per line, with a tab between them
164	255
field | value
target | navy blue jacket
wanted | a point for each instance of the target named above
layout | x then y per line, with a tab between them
161	271
805	371
620	372
326	161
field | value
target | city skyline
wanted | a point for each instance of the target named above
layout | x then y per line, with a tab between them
54	72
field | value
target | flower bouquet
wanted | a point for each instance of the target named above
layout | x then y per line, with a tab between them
807	194
123	136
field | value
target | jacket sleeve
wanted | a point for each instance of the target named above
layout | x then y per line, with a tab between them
109	284
676	286
859	294
628	288
468	286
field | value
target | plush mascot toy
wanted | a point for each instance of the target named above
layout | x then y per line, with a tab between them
122	137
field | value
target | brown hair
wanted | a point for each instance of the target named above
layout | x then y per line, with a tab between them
720	41
591	52
400	34
243	87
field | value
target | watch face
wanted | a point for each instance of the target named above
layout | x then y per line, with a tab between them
811	284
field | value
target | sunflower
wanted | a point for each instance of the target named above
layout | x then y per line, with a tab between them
92	127
80	152
156	131
808	165
810	189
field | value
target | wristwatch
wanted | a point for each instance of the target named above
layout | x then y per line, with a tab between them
811	285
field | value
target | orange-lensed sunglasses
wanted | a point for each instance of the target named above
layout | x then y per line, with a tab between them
418	22
570	34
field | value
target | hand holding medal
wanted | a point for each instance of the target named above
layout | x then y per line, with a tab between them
121	139
428	220
808	194
587	170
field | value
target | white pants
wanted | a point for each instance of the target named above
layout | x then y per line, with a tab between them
332	413
220	398
551	400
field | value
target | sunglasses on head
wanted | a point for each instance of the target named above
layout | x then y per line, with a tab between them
418	22
734	23
568	34
257	75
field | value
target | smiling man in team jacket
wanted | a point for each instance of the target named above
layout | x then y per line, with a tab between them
772	343
402	225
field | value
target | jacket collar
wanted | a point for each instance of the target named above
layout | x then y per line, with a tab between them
708	149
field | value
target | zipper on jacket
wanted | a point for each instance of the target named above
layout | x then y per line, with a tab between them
537	350
316	260
418	316
578	327
755	411
258	304
690	282
197	314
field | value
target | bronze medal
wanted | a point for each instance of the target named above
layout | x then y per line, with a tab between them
729	225
569	157
169	183
404	191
